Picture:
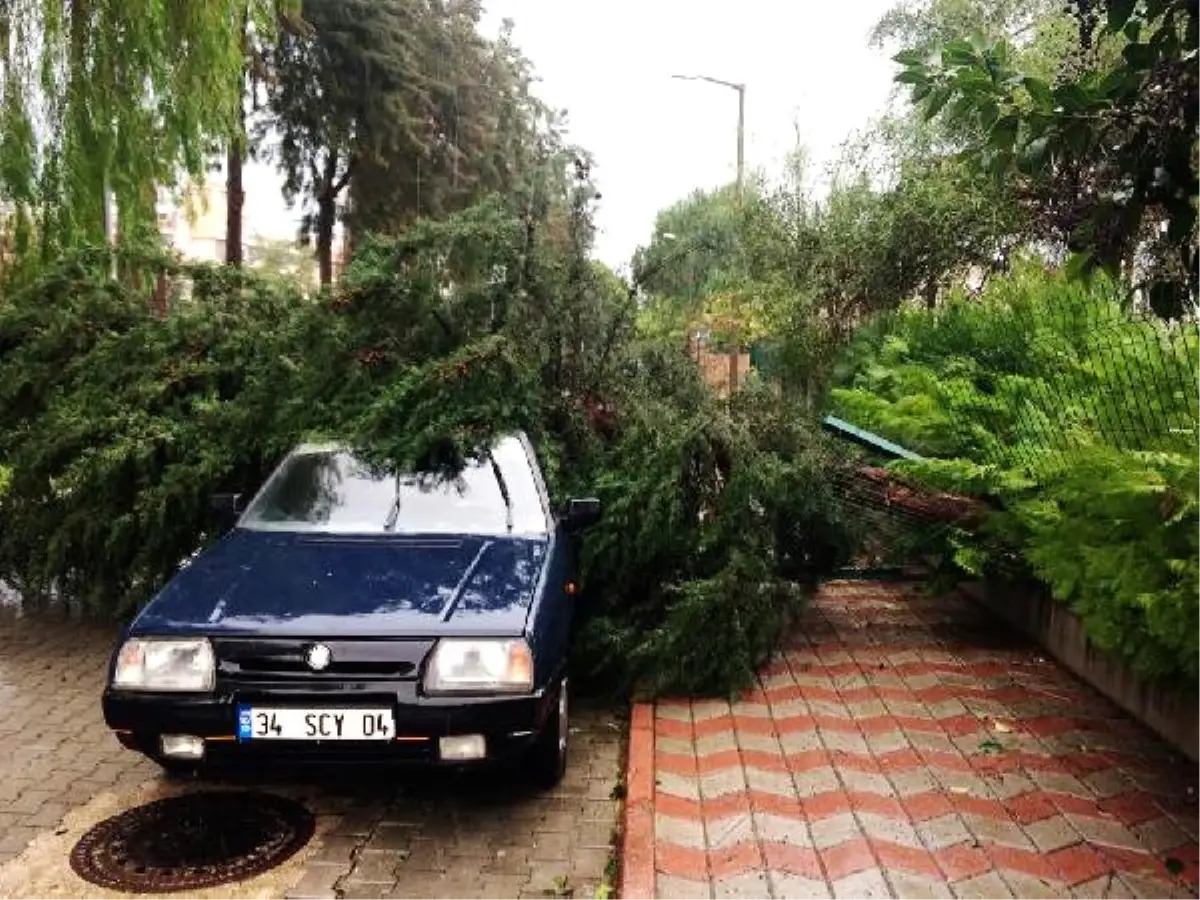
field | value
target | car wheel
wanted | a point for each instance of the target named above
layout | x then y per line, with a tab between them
548	756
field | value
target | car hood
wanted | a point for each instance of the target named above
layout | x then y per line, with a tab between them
257	582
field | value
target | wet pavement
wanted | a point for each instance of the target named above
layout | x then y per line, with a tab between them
905	745
378	834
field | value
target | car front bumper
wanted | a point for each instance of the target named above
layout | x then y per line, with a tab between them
509	725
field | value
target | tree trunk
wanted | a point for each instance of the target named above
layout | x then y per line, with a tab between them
931	293
327	194
235	198
158	300
235	195
326	216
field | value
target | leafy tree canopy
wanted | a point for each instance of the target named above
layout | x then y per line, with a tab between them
1041	31
1105	156
393	109
337	96
477	127
695	248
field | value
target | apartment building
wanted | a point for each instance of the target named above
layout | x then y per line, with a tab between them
193	222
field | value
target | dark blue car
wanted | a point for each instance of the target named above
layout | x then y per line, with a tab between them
352	614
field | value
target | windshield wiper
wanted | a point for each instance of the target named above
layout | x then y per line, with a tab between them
389	524
508	511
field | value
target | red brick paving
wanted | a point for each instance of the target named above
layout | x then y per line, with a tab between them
905	745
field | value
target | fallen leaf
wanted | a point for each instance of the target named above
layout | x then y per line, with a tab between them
1001	727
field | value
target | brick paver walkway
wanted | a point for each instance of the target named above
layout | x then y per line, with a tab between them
437	835
378	835
55	751
908	746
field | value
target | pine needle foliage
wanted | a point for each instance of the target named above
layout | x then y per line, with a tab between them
117	424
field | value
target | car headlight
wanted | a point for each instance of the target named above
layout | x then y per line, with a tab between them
480	666
165	664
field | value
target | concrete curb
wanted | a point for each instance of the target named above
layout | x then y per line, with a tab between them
637	850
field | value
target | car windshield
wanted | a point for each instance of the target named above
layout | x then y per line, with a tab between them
330	490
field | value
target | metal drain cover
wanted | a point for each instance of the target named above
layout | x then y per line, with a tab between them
192	841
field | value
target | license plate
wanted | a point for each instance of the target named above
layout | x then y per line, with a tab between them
261	723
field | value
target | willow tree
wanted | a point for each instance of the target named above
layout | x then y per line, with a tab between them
103	97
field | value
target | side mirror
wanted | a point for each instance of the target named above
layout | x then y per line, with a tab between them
227	507
582	513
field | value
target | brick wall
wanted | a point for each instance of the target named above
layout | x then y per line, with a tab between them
715	366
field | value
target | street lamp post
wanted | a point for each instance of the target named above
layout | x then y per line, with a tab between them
741	124
741	177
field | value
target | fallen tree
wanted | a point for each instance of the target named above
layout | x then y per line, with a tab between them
118	423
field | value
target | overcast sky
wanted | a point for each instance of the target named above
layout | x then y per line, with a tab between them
805	63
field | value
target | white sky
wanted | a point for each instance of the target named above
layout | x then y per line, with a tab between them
655	139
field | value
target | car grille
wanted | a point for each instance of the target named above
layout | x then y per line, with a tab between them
259	659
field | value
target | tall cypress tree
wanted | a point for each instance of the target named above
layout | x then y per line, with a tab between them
344	80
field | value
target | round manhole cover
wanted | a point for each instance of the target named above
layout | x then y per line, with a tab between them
192	841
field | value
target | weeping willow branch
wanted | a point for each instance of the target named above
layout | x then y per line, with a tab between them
134	95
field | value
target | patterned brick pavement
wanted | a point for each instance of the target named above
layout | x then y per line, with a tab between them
909	746
378	835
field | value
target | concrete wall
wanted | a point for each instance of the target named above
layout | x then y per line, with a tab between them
1173	714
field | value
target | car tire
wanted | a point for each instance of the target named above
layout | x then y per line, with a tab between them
547	761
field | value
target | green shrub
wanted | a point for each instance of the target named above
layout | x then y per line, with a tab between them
118	424
1036	364
1117	536
1080	419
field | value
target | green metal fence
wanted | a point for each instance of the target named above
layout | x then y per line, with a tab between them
1028	388
898	523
